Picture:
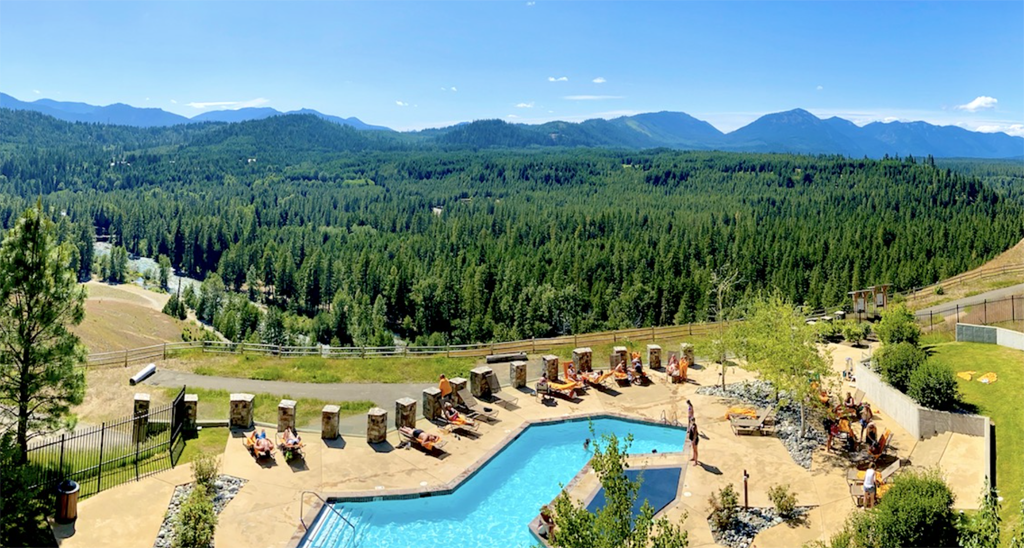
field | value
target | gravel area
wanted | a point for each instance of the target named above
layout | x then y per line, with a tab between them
225	489
749	523
787	418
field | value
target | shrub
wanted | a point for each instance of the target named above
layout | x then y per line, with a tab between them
204	470
723	505
915	512
828	331
933	385
854	332
981	529
196	520
939	290
898	325
783	499
897	362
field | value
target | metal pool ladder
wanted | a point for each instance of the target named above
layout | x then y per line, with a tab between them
353	540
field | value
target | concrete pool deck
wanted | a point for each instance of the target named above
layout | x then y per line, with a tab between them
266	511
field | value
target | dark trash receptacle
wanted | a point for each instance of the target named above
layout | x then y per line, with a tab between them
67	501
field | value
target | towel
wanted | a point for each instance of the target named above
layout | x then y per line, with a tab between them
966	375
988	378
740	411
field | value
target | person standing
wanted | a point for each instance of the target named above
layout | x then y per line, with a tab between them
870	487
693	435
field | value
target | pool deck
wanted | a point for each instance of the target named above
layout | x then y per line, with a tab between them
266	511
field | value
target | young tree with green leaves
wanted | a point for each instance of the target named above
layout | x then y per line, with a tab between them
897	325
39	300
783	349
614	525
981	529
165	270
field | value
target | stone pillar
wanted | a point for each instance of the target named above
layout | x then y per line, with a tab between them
241	410
458	384
191	410
330	422
551	365
405	412
478	385
140	428
686	358
432	402
621	354
654	356
285	415
377	425
518	376
582	359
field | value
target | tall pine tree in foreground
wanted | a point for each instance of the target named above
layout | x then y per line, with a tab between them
39	300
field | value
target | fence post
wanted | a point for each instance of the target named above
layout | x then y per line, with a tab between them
99	475
448	350
957	313
575	340
171	447
615	337
1013	310
931	320
61	469
690	325
126	357
985	310
652	332
165	351
533	341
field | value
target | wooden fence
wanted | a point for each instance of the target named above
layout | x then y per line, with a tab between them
163	351
973	275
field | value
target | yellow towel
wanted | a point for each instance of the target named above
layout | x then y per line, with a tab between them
741	412
988	378
966	375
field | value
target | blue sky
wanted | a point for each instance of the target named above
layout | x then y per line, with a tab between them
424	64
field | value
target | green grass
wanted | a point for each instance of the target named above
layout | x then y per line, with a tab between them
1000	401
319	370
215	404
207	440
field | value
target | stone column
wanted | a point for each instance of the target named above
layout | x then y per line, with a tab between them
241	410
518	376
330	422
654	356
621	354
458	383
377	425
285	415
432	402
582	359
191	411
405	412
686	358
140	428
551	366
478	385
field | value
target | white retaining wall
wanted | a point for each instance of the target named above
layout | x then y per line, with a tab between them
966	332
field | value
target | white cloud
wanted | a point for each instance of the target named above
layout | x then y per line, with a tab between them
147	98
599	80
444	88
36	91
531	3
591	97
559	79
525	105
401	103
511	116
227	105
1009	129
454	88
981	102
819	88
173	102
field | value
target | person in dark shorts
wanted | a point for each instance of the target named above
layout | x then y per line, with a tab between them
694	436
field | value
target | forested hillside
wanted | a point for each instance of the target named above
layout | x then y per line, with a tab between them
355	236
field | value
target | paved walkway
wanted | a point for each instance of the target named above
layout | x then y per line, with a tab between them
994	295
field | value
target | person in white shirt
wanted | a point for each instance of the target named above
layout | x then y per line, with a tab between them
870	487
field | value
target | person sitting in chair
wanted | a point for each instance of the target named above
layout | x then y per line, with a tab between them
638	369
454	416
570	373
673	366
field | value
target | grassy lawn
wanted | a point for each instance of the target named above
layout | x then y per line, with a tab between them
1001	401
207	440
214	404
319	370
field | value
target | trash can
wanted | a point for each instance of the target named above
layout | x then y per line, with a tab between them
67	501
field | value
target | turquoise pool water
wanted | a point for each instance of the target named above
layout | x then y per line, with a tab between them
495	506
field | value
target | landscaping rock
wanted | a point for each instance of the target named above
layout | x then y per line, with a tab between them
749	523
787	418
224	489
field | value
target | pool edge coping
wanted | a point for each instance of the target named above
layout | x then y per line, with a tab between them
450	487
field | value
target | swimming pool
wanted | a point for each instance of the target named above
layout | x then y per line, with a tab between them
495	506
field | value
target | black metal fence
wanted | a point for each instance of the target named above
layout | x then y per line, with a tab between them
113	453
1008	313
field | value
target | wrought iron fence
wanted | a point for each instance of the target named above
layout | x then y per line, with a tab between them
113	453
1008	312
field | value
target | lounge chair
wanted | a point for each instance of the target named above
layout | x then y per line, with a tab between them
428	446
550	389
881	448
582	379
500	397
745	425
857	491
459	424
250	444
290	451
855	475
473	408
858	398
598	380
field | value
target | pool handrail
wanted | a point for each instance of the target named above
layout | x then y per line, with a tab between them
302	498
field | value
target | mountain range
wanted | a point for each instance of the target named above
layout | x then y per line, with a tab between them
794	131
